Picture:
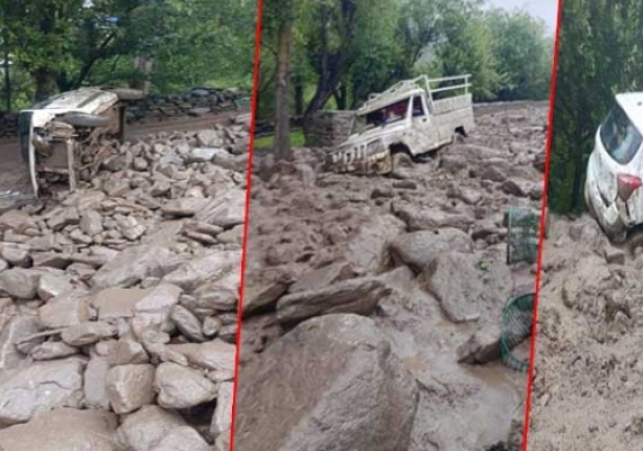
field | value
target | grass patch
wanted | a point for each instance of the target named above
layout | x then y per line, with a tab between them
297	139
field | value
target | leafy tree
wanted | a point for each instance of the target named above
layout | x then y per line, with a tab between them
600	55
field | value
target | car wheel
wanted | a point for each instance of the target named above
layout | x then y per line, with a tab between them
401	160
84	120
128	94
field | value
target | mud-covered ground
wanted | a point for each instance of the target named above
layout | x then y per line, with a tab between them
312	234
589	370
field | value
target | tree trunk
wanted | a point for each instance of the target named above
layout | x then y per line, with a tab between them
143	64
7	79
282	107
45	83
299	96
341	97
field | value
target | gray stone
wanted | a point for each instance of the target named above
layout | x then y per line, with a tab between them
95	386
130	387
16	254
482	347
53	285
51	350
130	227
127	351
66	310
211	355
418	249
133	265
368	250
91	223
62	217
453	280
432	219
182	438
114	303
351	296
40	387
17	221
343	375
87	333
187	323
20	283
322	277
201	155
181	388
62	430
209	138
215	266
184	207
144	429
222	418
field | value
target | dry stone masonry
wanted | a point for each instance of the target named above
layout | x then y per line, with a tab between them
118	301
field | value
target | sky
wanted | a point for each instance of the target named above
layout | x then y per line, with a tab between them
546	9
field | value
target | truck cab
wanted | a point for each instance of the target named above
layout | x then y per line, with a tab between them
408	120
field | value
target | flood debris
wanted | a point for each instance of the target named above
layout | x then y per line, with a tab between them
407	271
116	317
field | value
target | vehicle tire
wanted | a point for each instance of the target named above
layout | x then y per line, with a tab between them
84	120
617	237
128	94
401	160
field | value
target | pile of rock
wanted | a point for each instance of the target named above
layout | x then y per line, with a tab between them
118	301
368	298
8	124
329	128
195	102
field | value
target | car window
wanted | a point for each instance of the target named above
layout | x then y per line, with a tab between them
389	114
418	106
619	136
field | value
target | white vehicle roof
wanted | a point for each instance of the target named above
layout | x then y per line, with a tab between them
87	100
632	104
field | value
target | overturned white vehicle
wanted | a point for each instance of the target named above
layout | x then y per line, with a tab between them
53	133
614	177
403	123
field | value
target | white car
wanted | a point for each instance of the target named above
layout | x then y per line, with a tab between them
53	132
613	183
405	122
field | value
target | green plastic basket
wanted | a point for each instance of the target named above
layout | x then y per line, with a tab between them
517	320
523	233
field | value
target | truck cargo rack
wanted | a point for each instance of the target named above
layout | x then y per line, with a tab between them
423	82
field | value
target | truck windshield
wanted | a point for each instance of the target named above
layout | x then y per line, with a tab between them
619	136
384	116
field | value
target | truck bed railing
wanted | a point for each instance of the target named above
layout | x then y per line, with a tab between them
423	82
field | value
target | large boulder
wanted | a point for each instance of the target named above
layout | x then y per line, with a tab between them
351	392
133	265
350	296
62	430
417	249
40	387
454	281
368	250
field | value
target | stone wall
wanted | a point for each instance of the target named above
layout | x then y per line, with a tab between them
195	102
8	125
328	128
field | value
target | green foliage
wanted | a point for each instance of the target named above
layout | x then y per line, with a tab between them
600	55
61	45
507	53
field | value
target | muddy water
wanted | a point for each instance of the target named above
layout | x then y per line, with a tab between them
462	406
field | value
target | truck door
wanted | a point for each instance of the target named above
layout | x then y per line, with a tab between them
424	131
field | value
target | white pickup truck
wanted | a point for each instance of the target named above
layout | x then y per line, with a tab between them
53	132
404	122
